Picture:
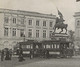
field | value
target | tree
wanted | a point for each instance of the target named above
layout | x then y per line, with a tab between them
71	35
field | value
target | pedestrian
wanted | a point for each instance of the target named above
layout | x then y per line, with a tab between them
21	55
31	54
2	55
47	54
10	53
17	51
7	57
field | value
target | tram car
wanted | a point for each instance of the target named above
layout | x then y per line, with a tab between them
58	48
47	48
31	48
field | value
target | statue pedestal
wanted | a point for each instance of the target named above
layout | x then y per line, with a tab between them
60	37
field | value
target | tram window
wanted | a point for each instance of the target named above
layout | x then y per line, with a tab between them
27	46
50	46
47	46
31	46
36	46
64	45
58	46
54	45
44	46
23	46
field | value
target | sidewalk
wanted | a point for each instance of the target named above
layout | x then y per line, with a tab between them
78	56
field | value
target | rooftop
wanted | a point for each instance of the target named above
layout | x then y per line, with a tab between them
27	13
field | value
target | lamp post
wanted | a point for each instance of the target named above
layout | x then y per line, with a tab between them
24	38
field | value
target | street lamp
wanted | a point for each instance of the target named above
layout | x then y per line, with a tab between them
24	38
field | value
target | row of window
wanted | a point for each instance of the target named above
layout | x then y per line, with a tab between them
38	23
6	20
51	46
48	46
38	33
27	46
45	46
6	33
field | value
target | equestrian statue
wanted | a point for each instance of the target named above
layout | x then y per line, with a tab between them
59	23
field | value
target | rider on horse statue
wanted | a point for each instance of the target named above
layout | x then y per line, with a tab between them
59	23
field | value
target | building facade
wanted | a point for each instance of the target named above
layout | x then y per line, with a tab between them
18	25
77	28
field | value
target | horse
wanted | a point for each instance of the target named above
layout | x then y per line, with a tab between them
60	26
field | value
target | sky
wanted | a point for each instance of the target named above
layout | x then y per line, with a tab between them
67	8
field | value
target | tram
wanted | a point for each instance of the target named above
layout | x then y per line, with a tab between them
31	47
58	48
47	48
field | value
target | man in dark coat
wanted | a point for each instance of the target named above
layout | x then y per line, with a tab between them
10	53
31	54
7	55
21	55
2	55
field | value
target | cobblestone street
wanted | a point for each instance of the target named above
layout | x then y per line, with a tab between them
40	62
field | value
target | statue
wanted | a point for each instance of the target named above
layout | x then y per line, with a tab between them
59	23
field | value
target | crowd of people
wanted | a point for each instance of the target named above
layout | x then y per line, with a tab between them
6	54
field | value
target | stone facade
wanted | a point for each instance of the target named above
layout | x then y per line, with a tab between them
18	25
77	28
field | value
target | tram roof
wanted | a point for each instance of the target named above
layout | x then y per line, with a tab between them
58	41
45	41
28	42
